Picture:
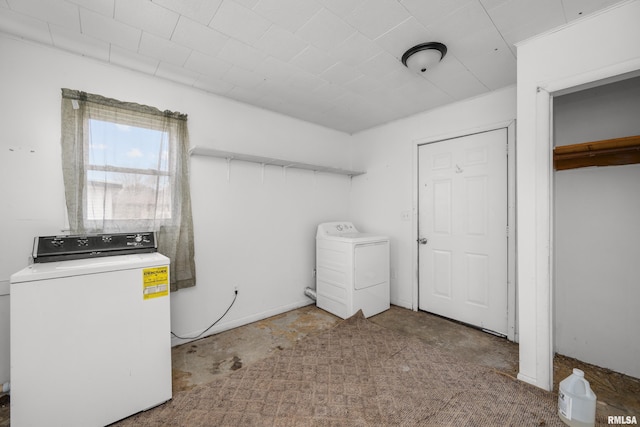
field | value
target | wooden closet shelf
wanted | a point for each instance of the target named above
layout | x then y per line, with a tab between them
608	152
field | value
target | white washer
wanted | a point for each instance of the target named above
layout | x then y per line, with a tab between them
352	270
90	339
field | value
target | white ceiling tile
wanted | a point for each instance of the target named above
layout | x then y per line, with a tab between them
239	22
280	43
249	4
24	26
375	17
396	103
293	96
272	103
133	60
325	30
105	7
356	111
57	12
206	65
381	65
364	85
467	21
432	11
148	16
322	106
453	78
304	82
313	60
237	76
290	14
488	4
575	9
176	74
487	56
342	8
494	69
162	49
310	112
341	73
198	10
194	35
355	50
524	31
336	121
420	94
73	41
328	92
241	54
399	78
213	85
477	44
109	30
403	37
522	19
275	71
244	95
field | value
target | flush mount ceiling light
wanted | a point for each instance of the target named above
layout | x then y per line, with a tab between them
424	56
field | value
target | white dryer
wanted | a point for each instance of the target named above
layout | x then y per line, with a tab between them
352	270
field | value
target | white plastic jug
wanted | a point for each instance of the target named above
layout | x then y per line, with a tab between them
576	401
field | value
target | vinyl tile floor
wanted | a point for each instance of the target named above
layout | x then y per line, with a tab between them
201	361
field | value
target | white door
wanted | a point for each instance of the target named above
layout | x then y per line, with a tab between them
463	229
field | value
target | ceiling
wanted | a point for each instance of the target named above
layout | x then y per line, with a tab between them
331	62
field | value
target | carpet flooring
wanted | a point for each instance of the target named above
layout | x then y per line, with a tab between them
358	374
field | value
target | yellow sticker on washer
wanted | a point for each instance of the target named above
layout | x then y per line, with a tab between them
155	282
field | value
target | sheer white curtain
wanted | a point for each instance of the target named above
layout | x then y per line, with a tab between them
125	168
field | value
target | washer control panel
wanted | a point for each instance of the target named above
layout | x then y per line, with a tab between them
59	248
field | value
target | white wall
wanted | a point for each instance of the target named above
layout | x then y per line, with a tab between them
546	64
383	197
596	231
254	235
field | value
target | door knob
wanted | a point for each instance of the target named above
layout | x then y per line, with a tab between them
423	240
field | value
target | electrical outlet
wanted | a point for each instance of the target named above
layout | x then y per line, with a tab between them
235	289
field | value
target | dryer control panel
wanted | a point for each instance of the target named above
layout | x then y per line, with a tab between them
336	229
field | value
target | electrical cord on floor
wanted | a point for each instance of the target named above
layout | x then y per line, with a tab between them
213	324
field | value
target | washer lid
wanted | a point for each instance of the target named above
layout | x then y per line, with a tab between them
79	267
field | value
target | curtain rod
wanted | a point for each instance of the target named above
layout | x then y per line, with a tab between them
110	102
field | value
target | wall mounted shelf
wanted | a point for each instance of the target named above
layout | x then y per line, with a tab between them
608	152
268	161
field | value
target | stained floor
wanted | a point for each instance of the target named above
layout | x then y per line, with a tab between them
201	361
617	394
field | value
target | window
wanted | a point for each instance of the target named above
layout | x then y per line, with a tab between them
125	169
127	173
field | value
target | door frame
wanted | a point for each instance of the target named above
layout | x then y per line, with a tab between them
510	126
541	340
